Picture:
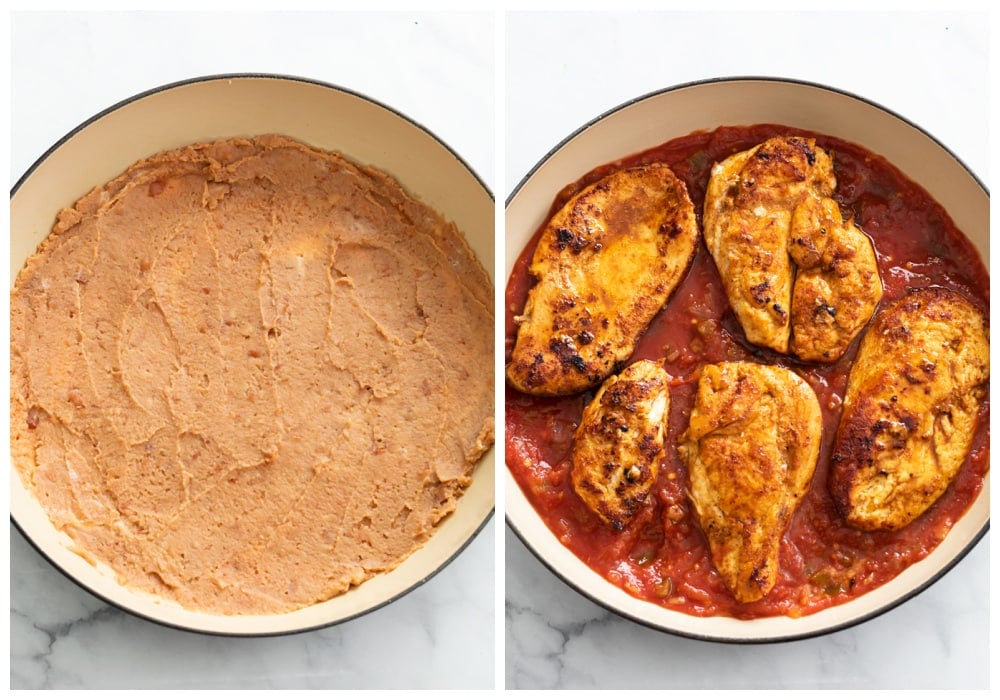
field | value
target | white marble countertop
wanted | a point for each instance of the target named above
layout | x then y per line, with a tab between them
562	71
437	68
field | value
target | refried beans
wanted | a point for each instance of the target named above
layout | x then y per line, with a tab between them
250	374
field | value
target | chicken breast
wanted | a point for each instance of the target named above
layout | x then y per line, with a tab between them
750	448
618	446
799	278
837	283
910	409
605	264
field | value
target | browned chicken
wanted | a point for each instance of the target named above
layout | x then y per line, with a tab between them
911	408
618	445
799	278
837	284
605	264
751	448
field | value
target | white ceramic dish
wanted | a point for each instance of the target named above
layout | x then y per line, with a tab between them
656	118
324	116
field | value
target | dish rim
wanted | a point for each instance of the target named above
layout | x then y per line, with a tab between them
277	77
214	77
734	79
512	483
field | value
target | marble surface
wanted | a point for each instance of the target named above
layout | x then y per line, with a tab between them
437	636
556	638
435	67
562	70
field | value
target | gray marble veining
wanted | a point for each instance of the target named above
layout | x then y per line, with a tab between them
556	638
440	635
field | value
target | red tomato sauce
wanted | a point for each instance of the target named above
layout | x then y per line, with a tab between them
662	556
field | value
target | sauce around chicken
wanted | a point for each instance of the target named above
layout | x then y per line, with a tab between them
662	555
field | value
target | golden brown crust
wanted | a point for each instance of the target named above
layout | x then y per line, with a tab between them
605	264
750	448
799	279
911	408
618	445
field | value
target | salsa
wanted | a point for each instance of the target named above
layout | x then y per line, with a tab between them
662	555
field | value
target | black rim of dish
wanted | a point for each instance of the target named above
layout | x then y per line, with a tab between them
281	78
782	637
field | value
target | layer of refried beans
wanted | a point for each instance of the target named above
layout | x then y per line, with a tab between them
250	374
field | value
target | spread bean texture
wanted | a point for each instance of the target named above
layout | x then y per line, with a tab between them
250	374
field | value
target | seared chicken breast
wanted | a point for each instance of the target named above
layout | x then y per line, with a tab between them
618	445
605	264
911	408
837	283
799	278
750	448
